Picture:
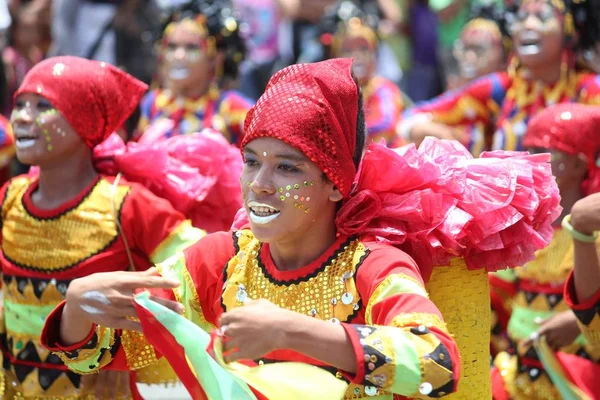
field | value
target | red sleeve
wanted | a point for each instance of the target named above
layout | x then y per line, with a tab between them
571	298
147	219
206	262
391	287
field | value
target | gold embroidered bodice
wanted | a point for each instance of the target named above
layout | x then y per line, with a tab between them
59	243
328	293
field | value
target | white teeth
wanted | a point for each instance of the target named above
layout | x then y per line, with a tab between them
179	73
24	143
262	220
260	207
528	50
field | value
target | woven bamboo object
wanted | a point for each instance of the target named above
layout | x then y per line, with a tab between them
463	297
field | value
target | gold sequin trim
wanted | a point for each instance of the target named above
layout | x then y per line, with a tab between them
64	241
383	286
416	319
330	294
139	352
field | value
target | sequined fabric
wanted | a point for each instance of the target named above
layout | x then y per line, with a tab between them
95	98
313	108
329	294
88	228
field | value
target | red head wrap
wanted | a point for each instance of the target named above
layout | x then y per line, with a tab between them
572	129
312	107
95	98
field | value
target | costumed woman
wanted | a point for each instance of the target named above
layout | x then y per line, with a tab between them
542	328
348	32
484	44
542	73
200	48
320	274
67	221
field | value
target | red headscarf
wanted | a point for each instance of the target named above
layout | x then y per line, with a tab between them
572	129
95	98
312	107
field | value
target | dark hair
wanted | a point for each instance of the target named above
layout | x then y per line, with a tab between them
361	127
498	14
586	16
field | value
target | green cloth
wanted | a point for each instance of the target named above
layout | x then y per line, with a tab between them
449	32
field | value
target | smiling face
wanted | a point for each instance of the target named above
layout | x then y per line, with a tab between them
286	195
479	51
43	136
538	33
187	58
364	54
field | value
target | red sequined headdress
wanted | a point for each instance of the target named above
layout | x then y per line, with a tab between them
95	98
312	107
572	129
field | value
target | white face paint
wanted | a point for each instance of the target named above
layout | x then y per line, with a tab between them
91	310
94	296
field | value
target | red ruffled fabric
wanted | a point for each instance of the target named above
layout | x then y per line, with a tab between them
438	202
198	174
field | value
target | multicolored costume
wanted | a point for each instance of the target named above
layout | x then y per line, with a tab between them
524	371
494	111
109	226
587	312
387	303
223	111
383	110
383	100
7	148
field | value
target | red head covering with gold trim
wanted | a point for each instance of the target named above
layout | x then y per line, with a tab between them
572	129
95	98
312	107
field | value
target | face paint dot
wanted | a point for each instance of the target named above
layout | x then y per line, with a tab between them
280	190
301	206
50	147
288	187
287	195
301	198
296	186
282	198
27	104
296	197
307	210
308	199
264	153
305	183
312	183
248	184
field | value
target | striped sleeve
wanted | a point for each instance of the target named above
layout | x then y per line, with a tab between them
478	102
588	312
404	346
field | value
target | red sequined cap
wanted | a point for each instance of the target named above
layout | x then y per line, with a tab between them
95	98
312	107
568	127
572	129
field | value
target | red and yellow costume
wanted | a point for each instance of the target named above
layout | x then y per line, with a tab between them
387	303
109	226
494	111
520	373
587	312
222	111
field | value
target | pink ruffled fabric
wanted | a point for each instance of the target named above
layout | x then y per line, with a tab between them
198	174
438	202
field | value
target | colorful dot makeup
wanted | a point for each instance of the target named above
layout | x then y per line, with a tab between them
40	121
286	192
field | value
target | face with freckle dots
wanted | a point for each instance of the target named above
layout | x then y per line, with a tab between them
284	192
43	136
